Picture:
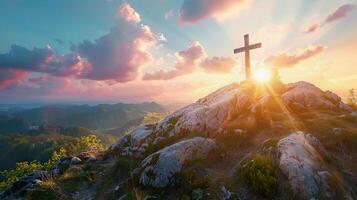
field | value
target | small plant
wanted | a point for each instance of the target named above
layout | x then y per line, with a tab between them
352	99
152	117
259	173
189	180
197	194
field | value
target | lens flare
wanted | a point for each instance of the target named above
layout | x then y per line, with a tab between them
262	75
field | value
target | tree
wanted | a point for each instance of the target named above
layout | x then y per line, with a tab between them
352	99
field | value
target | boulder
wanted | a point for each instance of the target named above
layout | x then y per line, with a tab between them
31	181
304	95
135	143
75	160
304	167
207	114
159	168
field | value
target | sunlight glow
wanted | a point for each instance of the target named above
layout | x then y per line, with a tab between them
262	75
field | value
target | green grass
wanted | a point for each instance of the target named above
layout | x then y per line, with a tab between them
260	175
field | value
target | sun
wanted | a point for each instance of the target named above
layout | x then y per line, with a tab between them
262	75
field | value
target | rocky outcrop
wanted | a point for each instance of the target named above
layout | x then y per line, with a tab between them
134	143
207	114
304	168
306	96
30	181
159	168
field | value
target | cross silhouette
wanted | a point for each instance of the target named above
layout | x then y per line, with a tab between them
246	49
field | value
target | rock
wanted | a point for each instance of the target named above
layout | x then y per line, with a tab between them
132	144
75	160
225	194
303	95
336	131
304	167
27	182
207	114
159	168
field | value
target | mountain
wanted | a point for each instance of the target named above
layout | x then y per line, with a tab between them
103	116
243	141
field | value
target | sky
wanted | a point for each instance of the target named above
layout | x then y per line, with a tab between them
169	51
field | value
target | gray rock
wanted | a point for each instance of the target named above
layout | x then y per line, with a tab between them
225	194
304	167
75	160
159	168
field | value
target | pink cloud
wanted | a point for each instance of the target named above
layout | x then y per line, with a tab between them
195	10
116	56
285	60
10	76
218	64
186	62
338	14
128	13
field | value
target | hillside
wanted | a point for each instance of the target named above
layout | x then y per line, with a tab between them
99	117
243	141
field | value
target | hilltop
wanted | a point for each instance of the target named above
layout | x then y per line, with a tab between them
243	141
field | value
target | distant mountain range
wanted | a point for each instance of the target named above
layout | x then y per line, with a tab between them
28	134
97	117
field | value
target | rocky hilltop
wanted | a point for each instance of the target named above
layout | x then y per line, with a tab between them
243	141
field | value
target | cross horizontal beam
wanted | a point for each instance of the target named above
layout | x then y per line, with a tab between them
243	49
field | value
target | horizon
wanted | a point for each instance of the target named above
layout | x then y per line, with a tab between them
165	58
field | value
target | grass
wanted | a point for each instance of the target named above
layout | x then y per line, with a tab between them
260	175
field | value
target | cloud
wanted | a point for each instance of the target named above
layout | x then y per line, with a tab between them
169	14
218	64
339	13
286	60
187	61
10	76
128	13
116	56
195	10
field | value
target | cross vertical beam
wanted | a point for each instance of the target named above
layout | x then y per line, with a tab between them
247	56
246	49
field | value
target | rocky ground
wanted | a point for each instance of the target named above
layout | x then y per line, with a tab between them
243	141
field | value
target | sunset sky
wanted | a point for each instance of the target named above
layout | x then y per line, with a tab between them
168	51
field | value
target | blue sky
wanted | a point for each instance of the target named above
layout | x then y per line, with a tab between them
184	40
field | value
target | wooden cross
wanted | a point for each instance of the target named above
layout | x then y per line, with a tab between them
247	47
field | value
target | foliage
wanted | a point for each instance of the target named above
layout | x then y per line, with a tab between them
45	192
352	99
152	117
197	194
26	168
84	143
259	173
22	169
190	180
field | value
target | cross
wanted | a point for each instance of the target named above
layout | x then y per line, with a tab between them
247	47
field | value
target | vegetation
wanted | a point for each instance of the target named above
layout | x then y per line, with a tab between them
260	173
352	99
152	117
8	177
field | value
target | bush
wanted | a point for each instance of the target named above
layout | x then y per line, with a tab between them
8	177
22	169
259	173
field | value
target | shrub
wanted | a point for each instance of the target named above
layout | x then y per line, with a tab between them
8	177
85	143
152	117
189	180
259	173
22	169
352	99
